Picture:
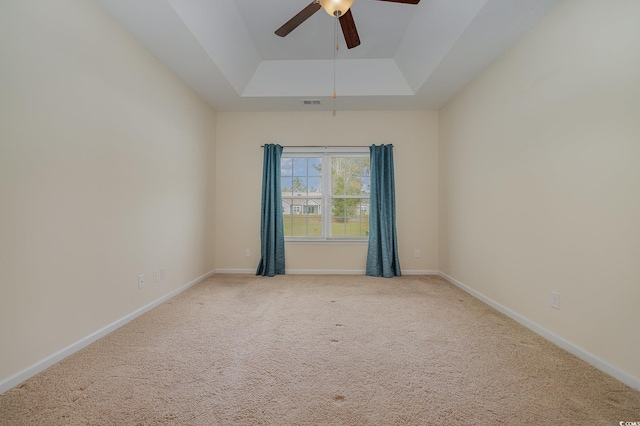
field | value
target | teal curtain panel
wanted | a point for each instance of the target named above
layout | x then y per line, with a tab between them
382	256
271	224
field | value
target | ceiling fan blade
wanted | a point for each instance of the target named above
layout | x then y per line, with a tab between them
403	1
302	16
349	30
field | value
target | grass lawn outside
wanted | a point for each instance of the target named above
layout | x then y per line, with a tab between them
311	226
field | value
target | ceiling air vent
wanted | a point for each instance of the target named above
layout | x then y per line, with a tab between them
311	101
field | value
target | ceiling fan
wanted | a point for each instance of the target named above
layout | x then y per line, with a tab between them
338	8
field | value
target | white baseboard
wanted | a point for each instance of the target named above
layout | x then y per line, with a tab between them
236	271
325	271
419	272
588	357
298	271
14	380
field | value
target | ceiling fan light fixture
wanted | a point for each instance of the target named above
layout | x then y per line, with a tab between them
336	8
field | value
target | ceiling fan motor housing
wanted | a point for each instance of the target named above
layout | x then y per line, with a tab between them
336	8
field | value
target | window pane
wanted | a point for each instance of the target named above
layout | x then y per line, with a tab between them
338	227
366	185
299	166
314	166
315	186
338	207
353	167
299	186
314	217
364	226
350	227
285	185
352	185
345	207
287	217
337	176
302	217
337	185
339	217
364	207
299	225
349	175
312	207
286	166
360	227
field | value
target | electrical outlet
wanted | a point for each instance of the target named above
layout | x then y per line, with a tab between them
163	274
156	275
416	253
555	300
247	252
141	281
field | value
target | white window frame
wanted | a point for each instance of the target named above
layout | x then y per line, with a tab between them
326	153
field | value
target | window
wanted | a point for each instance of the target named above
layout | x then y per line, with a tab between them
325	194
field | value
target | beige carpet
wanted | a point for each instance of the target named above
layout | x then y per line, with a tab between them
321	350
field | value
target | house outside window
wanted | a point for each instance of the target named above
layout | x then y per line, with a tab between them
325	194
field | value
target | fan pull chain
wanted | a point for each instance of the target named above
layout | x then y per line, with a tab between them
335	41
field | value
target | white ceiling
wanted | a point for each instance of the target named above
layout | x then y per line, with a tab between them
411	57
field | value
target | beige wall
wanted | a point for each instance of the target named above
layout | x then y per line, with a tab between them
104	157
239	174
540	179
